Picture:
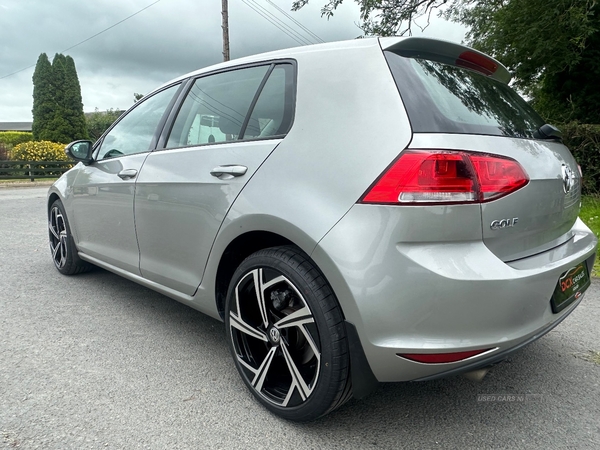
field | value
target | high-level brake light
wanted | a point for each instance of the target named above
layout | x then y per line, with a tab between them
477	61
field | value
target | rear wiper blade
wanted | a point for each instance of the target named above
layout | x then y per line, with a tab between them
547	131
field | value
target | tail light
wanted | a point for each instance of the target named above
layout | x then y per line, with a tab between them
443	176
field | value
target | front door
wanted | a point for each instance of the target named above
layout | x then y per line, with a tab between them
103	192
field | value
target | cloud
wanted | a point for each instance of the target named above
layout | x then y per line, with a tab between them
168	39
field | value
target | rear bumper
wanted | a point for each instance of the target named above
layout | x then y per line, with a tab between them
498	356
408	296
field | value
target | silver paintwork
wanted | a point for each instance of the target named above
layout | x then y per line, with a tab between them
178	194
411	279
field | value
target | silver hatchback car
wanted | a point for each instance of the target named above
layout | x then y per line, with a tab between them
376	210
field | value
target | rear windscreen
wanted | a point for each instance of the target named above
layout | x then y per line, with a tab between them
440	98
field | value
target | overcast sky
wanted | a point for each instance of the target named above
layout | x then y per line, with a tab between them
167	39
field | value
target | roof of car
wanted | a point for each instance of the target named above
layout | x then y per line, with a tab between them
284	53
425	47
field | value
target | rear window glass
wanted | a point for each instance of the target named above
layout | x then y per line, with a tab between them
440	98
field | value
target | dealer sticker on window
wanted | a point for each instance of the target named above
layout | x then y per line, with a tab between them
570	287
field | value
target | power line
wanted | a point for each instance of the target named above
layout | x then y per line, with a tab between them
308	39
295	21
91	37
283	27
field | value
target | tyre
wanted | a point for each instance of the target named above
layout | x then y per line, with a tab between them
62	246
286	333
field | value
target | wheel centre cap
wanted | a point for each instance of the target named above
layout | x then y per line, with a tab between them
274	335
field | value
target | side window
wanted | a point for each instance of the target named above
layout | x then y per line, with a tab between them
272	114
215	108
134	132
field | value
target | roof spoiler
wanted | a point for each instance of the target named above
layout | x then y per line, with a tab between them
447	53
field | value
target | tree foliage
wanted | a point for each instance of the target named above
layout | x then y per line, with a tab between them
385	17
57	105
73	103
43	97
99	121
573	93
550	46
531	37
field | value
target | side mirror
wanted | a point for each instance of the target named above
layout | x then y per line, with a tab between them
80	151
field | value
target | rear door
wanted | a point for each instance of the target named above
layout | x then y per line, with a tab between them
226	127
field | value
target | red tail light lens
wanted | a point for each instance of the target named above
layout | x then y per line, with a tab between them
441	176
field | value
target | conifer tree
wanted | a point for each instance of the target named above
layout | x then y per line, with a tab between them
61	119
43	98
59	125
74	103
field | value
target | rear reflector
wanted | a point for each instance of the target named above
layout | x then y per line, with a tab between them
439	358
443	176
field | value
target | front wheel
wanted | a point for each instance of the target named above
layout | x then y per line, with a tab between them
286	333
62	246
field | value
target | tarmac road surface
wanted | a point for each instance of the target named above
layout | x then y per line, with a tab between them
95	361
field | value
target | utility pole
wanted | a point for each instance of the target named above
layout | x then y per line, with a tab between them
225	26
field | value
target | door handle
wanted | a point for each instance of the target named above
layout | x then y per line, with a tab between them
229	171
127	174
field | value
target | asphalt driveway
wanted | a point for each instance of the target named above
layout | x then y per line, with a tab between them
95	361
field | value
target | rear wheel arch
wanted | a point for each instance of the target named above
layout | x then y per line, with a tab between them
235	253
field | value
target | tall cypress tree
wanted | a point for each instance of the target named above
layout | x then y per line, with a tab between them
59	129
73	102
61	118
43	98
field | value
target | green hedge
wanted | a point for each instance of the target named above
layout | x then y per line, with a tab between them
584	142
4	151
12	138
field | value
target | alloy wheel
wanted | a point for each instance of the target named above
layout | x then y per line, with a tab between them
275	337
58	237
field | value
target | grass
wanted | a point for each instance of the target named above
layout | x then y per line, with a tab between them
590	214
595	357
591	356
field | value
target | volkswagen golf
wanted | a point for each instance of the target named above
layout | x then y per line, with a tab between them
376	210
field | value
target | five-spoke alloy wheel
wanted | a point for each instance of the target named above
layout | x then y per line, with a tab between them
58	237
286	334
62	247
